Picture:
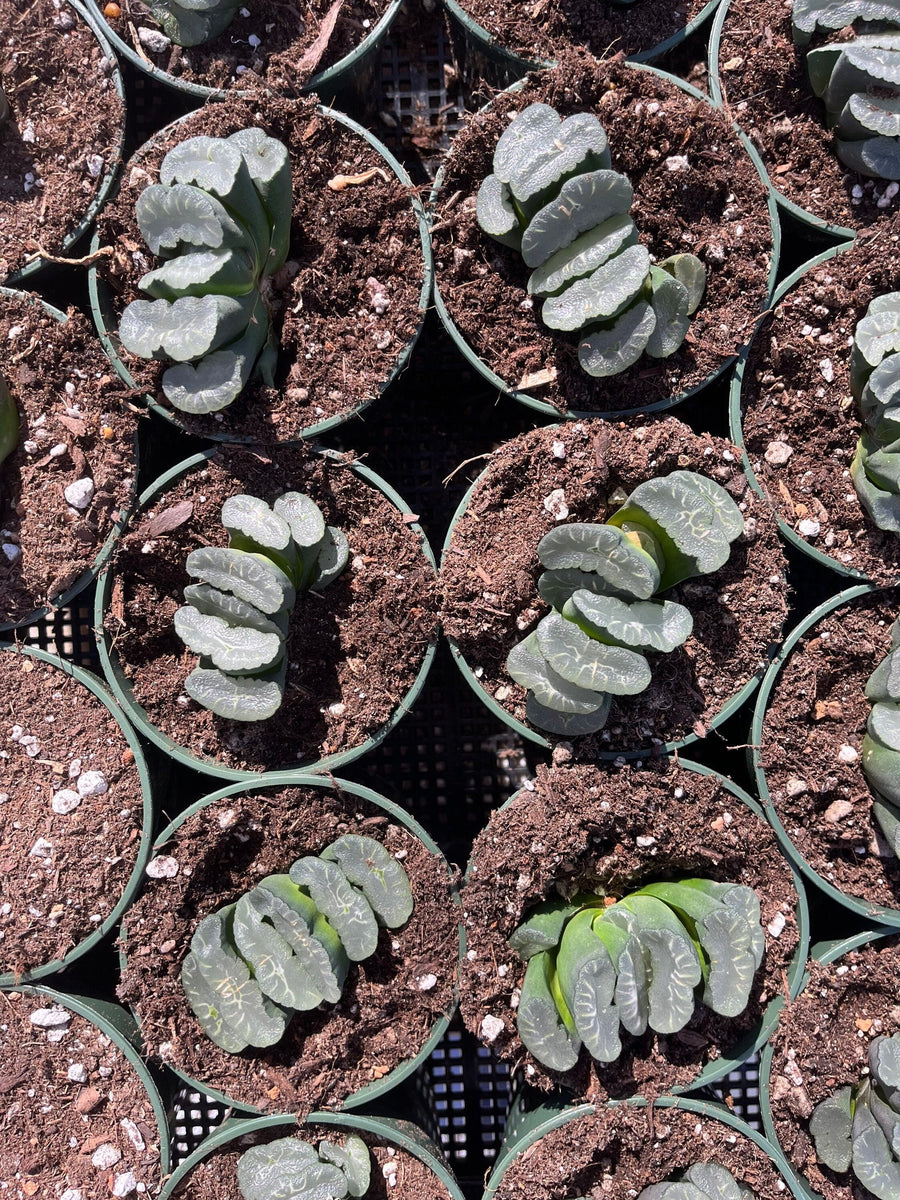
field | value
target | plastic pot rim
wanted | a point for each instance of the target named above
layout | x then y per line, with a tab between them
122	690
491	46
90	573
871	912
755	1038
716	94
99	296
386	1128
378	1087
116	1022
25	275
539	1127
333	77
135	878
532	735
576	414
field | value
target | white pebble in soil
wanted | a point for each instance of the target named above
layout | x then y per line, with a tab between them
65	801
125	1184
80	493
106	1156
50	1018
491	1028
162	867
92	783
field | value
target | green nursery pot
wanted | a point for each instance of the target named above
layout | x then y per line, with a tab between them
135	879
118	1025
525	1128
337	78
122	688
401	1134
377	1088
106	319
871	912
572	414
89	14
90	574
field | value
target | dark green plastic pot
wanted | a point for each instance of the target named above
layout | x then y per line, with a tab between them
400	1134
135	879
376	1089
871	912
106	319
573	414
342	76
90	574
736	428
86	11
121	685
118	1025
716	93
823	952
754	1039
524	1129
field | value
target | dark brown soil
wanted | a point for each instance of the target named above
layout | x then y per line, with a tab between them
817	711
766	89
617	1152
822	1043
61	874
354	649
714	207
390	1002
65	129
282	59
217	1175
74	424
54	1125
584	828
490	572
787	398
350	247
538	29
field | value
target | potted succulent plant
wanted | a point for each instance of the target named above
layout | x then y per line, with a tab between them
549	484
83	1115
307	276
577	900
244	1155
76	817
679	202
797	407
826	1090
56	173
67	475
680	1144
260	872
348	663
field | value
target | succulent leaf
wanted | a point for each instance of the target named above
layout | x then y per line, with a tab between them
670	303
333	556
173	220
308	933
230	647
578	144
582	256
228	272
584	202
205	1006
528	667
278	971
251	577
384	883
639	624
269	165
566	724
540	1025
496	212
354	1161
184	329
218	379
346	909
603	294
282	1170
615	348
601	550
714	1181
542	928
808	15
587	976
690	273
234	697
592	665
873	1163
192	22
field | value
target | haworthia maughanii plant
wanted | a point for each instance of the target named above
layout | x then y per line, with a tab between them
237	617
291	1169
554	197
701	1181
640	962
286	945
220	216
875	384
601	580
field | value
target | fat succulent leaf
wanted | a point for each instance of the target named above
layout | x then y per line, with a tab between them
613	349
346	909
584	202
382	880
603	294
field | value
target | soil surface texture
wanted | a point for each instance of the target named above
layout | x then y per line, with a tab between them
695	189
822	1044
76	435
537	29
587	828
617	1152
395	1173
278	46
71	812
811	745
766	89
490	572
76	1117
65	130
345	307
800	423
390	1002
354	649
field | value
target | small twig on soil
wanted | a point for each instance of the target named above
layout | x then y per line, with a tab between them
136	43
313	55
464	463
339	182
88	260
